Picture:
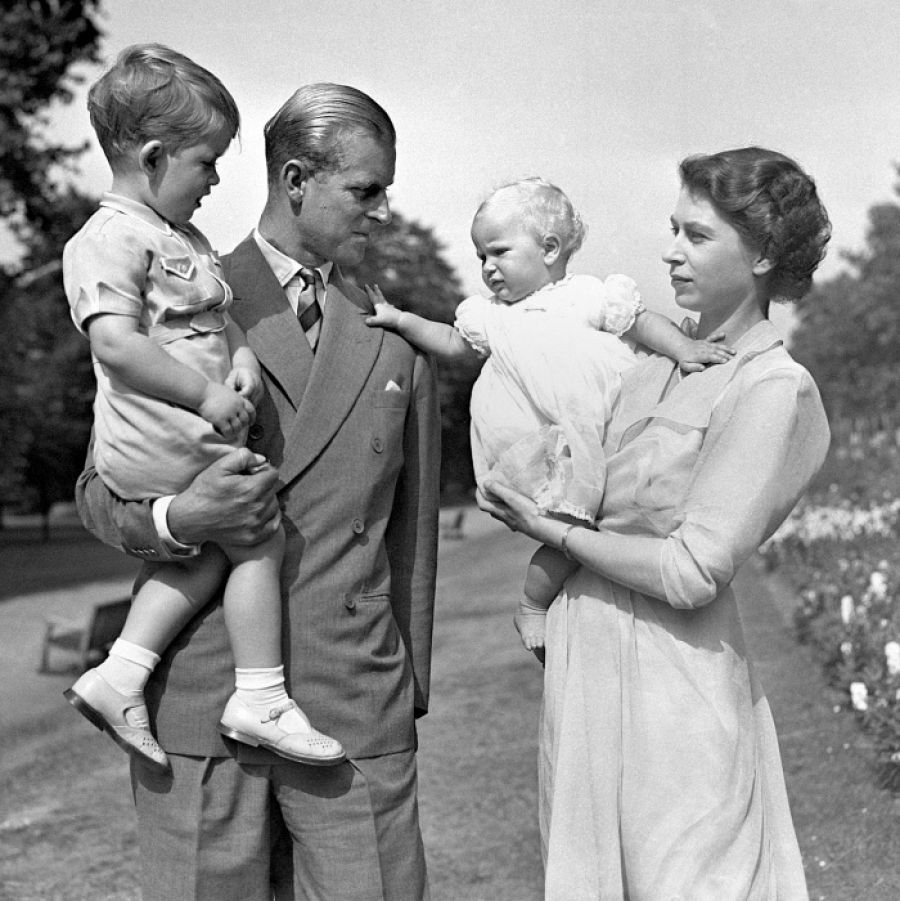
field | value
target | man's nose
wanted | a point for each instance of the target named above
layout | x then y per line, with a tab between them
382	213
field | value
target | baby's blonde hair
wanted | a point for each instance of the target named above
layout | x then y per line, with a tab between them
545	210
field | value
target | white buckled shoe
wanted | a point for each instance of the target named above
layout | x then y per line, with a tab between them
121	717
306	745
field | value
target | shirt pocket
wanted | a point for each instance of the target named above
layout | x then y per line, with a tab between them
185	286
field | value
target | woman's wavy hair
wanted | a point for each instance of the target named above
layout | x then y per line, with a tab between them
152	92
545	210
773	204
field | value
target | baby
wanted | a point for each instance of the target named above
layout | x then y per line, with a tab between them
554	353
176	389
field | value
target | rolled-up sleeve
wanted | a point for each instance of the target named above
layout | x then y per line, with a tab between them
104	273
764	443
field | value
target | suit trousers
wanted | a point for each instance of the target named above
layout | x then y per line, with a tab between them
205	833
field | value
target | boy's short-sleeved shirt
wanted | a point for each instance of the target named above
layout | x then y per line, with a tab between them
128	261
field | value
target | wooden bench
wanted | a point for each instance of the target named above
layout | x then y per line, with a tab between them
89	641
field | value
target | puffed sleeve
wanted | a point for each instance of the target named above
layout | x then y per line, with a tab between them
104	273
471	323
623	303
765	442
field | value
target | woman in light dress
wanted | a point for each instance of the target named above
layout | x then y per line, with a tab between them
660	775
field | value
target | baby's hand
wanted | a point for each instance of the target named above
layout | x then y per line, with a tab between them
386	315
247	382
702	353
225	409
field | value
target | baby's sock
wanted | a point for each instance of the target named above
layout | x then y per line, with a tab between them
262	690
128	666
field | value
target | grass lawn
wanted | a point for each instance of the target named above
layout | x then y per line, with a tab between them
67	828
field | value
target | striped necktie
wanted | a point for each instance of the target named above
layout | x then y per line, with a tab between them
309	313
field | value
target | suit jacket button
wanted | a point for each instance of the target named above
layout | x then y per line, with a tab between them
350	603
377	445
256	432
359	526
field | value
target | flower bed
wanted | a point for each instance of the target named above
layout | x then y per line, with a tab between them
840	549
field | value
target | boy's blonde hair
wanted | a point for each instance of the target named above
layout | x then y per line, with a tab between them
545	210
152	92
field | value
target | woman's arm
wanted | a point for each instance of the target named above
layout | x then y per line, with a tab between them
631	560
764	443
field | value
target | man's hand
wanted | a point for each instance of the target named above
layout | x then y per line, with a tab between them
231	502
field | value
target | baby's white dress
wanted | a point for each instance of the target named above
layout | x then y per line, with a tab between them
553	368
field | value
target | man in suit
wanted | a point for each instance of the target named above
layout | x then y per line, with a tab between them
350	429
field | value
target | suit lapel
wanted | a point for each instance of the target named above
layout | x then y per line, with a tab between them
346	352
263	312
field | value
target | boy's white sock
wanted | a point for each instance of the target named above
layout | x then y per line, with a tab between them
262	690
128	666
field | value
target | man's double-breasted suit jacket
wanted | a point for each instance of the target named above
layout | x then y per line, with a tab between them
354	431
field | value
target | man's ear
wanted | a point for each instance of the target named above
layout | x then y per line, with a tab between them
552	248
294	176
150	156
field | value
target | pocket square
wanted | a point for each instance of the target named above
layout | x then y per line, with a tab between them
392	386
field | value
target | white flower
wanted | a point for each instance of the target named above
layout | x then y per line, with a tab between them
892	657
859	696
878	585
846	648
846	609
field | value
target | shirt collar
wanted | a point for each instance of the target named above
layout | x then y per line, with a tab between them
283	266
136	209
758	338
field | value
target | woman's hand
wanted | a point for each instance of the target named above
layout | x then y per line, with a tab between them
515	510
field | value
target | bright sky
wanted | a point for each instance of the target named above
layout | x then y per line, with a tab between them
603	97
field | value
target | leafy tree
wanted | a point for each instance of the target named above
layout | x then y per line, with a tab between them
848	333
40	42
56	379
44	413
405	260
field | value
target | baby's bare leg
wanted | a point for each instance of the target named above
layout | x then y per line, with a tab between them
531	624
547	572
